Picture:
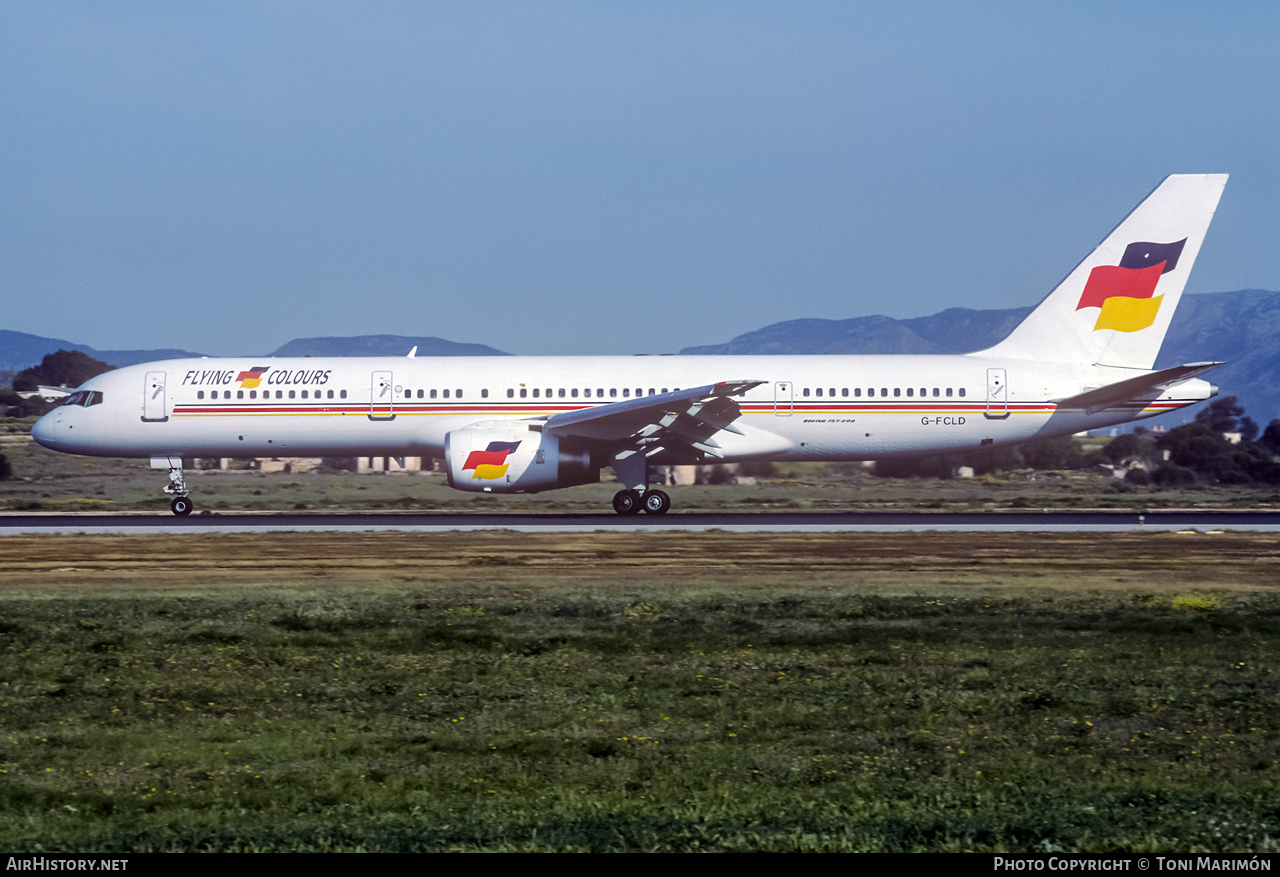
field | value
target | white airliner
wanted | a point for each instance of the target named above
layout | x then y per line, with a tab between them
1081	360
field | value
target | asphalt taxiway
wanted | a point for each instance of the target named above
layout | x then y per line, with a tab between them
14	524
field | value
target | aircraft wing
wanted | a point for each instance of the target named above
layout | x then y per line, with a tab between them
1093	401
681	419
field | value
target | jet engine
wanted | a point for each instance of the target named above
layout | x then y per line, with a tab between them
516	458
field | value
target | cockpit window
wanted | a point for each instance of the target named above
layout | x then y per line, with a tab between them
84	398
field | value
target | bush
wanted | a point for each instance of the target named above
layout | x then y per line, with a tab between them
1137	477
1056	453
1172	475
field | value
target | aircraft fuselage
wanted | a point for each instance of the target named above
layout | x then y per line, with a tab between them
821	408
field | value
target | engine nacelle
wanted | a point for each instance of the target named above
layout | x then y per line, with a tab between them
515	458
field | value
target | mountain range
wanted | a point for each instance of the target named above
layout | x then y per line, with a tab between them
18	350
1241	328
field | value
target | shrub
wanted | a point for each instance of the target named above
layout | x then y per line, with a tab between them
1173	475
1137	477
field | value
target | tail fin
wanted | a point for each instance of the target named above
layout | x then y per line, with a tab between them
1115	307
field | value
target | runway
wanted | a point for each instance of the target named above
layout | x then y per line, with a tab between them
825	522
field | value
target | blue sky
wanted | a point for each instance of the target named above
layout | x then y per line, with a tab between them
595	177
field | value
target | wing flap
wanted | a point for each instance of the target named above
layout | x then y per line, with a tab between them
684	418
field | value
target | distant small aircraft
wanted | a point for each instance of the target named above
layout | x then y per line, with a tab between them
1081	360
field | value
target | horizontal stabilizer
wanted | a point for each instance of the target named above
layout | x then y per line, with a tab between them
1093	401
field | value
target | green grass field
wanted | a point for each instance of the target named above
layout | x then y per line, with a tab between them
640	692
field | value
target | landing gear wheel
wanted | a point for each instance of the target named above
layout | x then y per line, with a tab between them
181	506
656	502
626	502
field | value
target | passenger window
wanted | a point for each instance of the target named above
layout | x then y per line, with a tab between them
935	392
948	392
819	392
200	394
535	392
457	394
884	391
446	394
962	392
806	391
484	394
574	393
613	392
857	391
626	392
896	392
844	391
511	393
561	392
304	394
342	393
291	394
433	394
524	393
911	391
239	394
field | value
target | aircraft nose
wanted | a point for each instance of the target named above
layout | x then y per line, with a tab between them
44	430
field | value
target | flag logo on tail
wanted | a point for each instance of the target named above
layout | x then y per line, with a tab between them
490	463
1125	294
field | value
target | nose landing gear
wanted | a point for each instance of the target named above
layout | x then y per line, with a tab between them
177	486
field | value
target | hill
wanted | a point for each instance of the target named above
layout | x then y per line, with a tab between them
383	345
19	350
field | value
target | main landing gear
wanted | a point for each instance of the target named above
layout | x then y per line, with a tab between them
631	502
632	468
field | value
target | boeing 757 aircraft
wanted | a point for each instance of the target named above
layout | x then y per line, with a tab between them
1082	359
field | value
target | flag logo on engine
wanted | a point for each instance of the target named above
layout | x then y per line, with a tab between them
491	463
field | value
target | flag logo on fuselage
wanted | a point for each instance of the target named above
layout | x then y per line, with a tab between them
490	463
1125	294
249	380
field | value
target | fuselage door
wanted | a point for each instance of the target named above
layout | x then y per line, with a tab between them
783	392
382	397
997	394
153	404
